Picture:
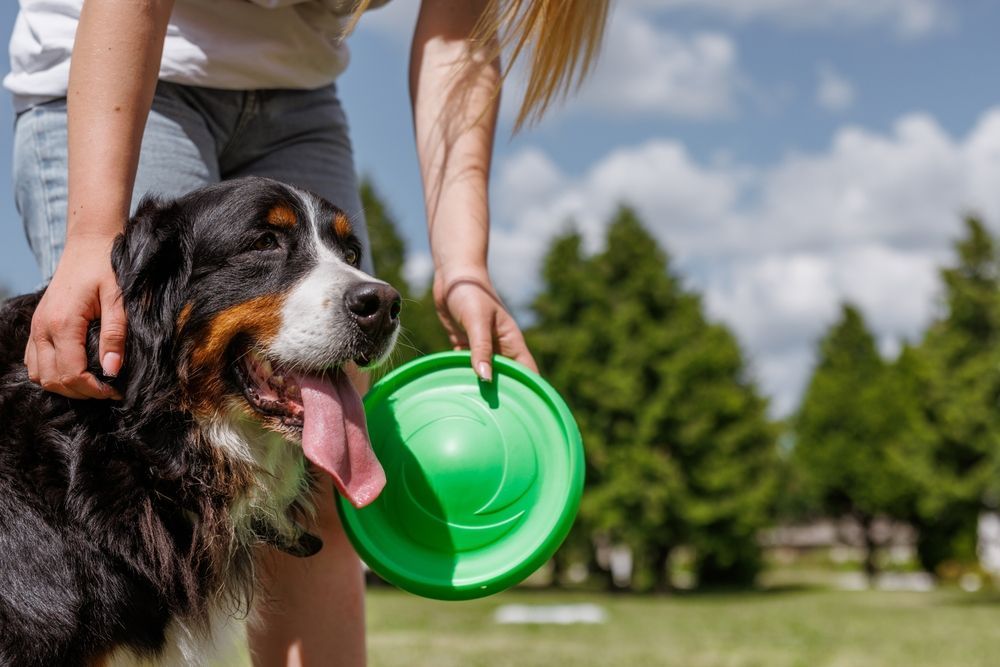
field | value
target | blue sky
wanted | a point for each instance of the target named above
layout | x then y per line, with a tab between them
790	154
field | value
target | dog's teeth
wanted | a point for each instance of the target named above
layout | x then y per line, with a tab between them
265	366
278	381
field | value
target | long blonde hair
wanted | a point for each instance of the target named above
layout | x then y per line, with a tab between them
560	39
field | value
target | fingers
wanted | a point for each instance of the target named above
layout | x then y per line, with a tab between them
69	352
56	358
49	375
476	320
31	362
111	350
513	345
480	330
82	290
456	335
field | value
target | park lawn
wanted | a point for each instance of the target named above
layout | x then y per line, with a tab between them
782	628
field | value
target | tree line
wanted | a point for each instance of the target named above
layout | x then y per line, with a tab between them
915	438
683	462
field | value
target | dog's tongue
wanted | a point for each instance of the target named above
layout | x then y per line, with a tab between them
335	437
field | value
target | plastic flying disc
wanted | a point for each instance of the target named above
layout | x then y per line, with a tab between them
483	478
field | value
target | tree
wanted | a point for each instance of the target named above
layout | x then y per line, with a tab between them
956	374
422	333
679	450
851	432
387	246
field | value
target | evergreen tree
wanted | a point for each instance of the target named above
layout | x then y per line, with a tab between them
679	450
568	351
422	333
957	377
852	432
387	247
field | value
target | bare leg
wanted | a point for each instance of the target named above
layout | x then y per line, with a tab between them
315	611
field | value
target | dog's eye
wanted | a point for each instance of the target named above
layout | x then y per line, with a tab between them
266	241
351	256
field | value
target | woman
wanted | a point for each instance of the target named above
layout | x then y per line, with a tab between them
165	96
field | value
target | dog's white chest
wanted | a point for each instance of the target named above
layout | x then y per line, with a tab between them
224	642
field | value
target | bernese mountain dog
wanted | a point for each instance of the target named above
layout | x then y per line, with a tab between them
128	528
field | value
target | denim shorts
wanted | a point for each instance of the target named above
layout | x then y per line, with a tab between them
195	136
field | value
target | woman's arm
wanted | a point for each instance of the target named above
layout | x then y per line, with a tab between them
454	88
116	59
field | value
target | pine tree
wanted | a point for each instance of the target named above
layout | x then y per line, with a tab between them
422	333
851	432
958	380
387	247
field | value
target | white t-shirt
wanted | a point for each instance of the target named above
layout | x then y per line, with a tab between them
232	44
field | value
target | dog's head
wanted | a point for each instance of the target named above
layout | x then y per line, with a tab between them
247	298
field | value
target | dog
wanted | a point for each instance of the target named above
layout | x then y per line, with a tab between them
129	527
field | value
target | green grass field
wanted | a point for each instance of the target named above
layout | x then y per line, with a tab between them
781	628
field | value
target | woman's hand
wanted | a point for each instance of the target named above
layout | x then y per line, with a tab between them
82	290
454	90
477	320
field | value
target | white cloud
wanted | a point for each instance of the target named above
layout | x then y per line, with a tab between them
780	303
653	72
650	70
907	18
659	178
834	92
775	248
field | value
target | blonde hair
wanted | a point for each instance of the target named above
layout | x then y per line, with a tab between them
560	39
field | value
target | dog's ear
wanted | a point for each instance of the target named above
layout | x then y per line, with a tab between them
152	261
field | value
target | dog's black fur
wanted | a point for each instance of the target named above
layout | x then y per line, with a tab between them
115	515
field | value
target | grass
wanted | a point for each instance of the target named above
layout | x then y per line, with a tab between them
778	628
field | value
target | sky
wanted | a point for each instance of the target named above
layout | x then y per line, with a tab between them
788	154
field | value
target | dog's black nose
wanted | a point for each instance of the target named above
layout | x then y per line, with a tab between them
375	307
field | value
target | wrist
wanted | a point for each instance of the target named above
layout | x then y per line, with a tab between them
447	281
446	274
90	236
97	221
88	245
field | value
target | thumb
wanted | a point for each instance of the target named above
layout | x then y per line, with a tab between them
112	346
480	332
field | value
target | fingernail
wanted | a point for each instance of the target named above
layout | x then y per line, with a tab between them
484	371
111	364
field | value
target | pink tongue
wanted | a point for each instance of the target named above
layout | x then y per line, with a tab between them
335	437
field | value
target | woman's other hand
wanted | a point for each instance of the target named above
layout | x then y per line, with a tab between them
112	77
82	290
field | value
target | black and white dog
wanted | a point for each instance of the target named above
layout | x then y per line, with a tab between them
127	528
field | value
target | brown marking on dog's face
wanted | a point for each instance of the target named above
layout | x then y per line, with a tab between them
281	215
259	319
342	226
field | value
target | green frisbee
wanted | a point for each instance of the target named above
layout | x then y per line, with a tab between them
483	479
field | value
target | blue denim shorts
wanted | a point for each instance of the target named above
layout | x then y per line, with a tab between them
195	136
